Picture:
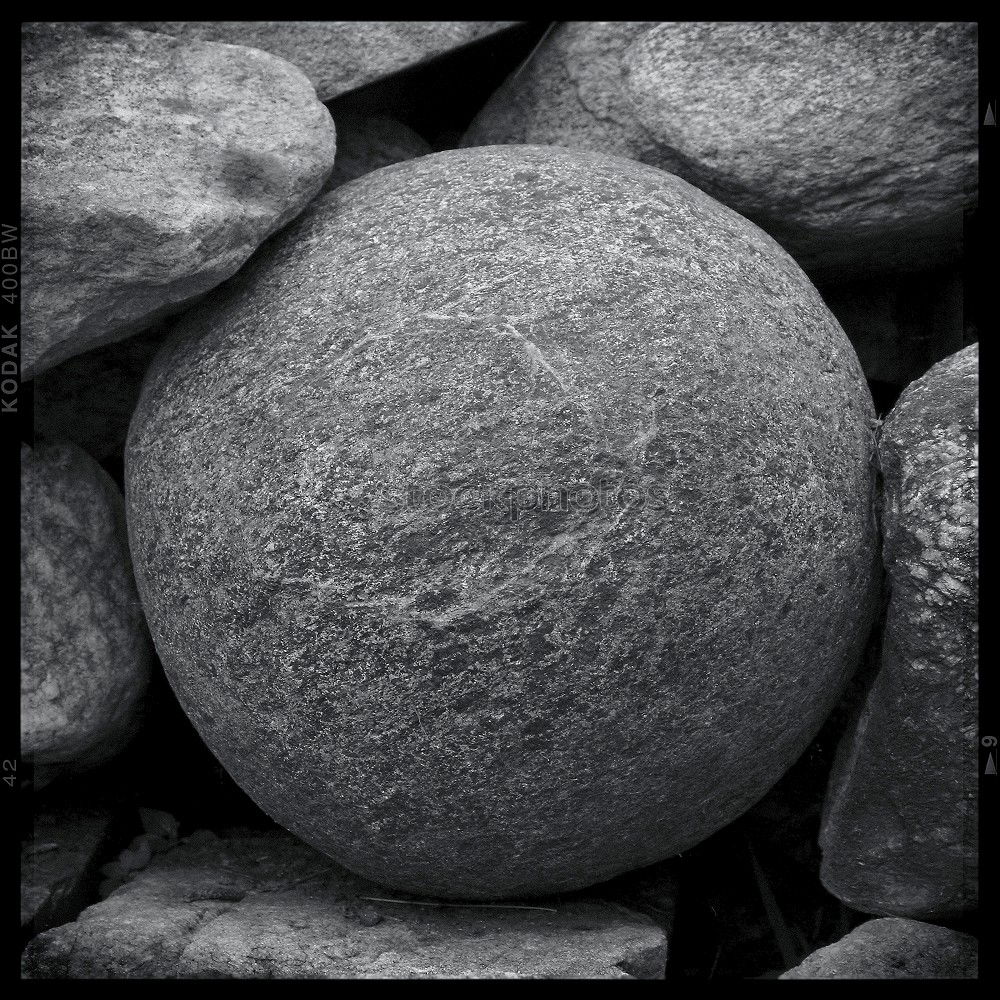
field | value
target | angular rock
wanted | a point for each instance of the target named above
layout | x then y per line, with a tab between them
901	326
852	143
59	864
151	169
367	142
85	655
89	399
338	56
894	948
900	823
254	907
476	694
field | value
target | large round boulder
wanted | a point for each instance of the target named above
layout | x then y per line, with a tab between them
507	524
853	143
85	654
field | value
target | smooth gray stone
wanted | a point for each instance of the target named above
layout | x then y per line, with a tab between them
445	697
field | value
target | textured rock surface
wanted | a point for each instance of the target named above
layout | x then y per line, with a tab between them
854	144
270	907
85	654
338	56
89	399
894	948
900	820
901	326
59	864
443	696
367	142
151	169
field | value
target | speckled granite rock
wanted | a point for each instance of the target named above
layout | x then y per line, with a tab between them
269	907
901	325
476	694
367	142
85	656
894	948
59	864
853	143
151	169
900	822
338	56
89	399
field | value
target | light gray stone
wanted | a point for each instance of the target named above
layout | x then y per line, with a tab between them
85	655
900	824
252	907
853	143
151	169
448	698
894	948
339	56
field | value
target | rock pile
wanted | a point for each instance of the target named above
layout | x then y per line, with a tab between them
508	518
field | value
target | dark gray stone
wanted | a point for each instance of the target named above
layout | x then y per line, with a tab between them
339	56
894	948
446	698
59	864
367	142
902	325
900	826
253	907
853	143
151	169
85	655
89	399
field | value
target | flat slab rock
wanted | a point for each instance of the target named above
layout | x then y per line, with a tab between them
853	143
339	56
59	864
267	906
900	821
894	948
152	169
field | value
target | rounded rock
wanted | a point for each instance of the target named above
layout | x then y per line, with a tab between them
853	143
85	655
391	642
900	829
152	169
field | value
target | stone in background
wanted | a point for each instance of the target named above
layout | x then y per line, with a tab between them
152	168
367	142
85	653
894	948
901	326
339	56
258	906
900	825
853	144
89	399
